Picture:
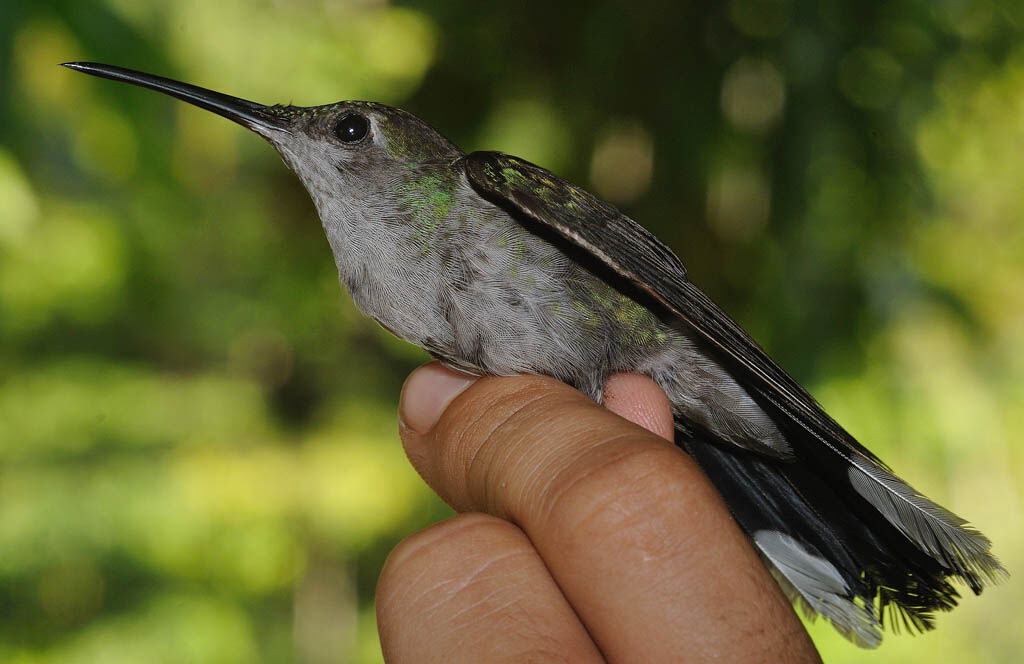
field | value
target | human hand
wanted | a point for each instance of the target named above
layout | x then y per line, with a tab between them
581	537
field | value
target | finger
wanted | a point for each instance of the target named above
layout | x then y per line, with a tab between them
634	534
473	589
641	401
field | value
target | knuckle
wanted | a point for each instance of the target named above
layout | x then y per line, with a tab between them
629	501
423	561
539	648
489	439
458	580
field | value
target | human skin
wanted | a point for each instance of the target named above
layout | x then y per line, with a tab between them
582	535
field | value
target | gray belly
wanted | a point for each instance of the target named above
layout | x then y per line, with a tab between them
488	297
517	304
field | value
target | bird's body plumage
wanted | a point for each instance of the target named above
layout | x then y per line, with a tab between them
487	288
422	254
496	266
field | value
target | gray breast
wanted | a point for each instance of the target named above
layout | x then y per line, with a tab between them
485	295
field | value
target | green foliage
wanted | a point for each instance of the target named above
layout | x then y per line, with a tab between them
198	456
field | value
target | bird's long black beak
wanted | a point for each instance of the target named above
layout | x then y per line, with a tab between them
246	113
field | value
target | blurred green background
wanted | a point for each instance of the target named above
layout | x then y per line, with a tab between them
198	450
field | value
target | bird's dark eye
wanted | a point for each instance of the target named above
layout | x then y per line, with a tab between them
351	128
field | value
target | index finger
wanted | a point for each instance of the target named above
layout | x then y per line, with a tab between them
636	537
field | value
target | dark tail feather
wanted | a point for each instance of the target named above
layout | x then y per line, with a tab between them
832	549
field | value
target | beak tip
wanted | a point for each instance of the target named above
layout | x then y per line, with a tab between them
246	113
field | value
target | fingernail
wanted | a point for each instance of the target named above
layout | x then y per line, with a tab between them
426	394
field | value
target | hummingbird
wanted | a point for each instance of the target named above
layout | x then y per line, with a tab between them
496	266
